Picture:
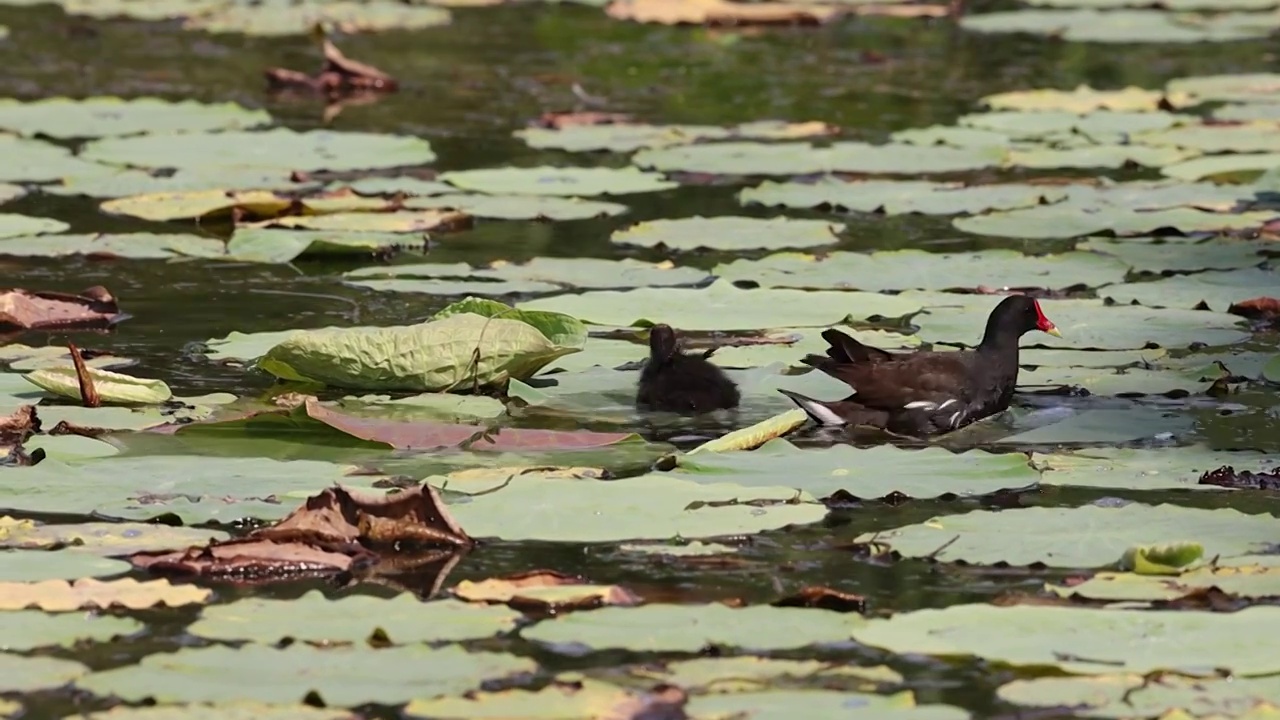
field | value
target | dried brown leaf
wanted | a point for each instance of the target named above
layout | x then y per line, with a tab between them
94	308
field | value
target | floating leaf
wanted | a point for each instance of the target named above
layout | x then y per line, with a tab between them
520	207
1068	221
537	275
1141	469
13	225
1120	26
1133	695
135	246
566	181
30	629
67	118
1175	254
36	161
1218	290
37	565
729	233
87	593
746	158
111	386
1083	537
1083	98
898	197
29	674
101	538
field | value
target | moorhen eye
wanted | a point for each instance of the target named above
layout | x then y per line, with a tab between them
675	382
926	393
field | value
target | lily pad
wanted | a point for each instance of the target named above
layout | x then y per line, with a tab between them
30	629
1132	695
134	246
404	221
196	489
562	181
537	275
1083	537
818	705
917	269
1218	289
1127	382
112	387
864	472
1175	254
1068	221
106	539
689	628
721	306
729	233
1121	26
36	161
66	118
434	356
1138	469
314	618
37	565
289	17
221	710
268	245
11	192
520	207
655	506
29	674
628	137
747	158
1204	167
278	149
13	225
1234	87
1082	99
899	197
342	676
116	182
1084	640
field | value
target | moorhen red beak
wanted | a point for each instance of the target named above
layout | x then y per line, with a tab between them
926	393
675	382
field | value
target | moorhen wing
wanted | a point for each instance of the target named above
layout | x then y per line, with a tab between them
926	393
675	382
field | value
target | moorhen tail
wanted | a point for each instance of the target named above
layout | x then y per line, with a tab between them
926	393
675	382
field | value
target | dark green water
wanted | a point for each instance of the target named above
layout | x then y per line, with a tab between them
466	87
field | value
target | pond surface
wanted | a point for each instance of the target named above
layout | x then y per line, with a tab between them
465	88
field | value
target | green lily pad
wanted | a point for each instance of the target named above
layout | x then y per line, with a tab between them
520	207
112	387
196	489
93	117
11	192
101	538
917	269
562	181
952	136
1252	581
899	197
629	137
1103	426
1058	358
403	221
314	618
1098	125
1084	640
30	629
290	17
1068	221
1234	87
1085	324
30	674
434	406
537	275
744	673
721	306
1114	156
222	710
268	245
1218	289
1213	139
1175	254
1121	26
1083	98
655	506
278	149
1138	469
433	356
1248	112
342	676
818	705
729	233
13	225
38	565
748	158
864	472
116	182
1083	537
1160	195
1110	381
36	161
1132	695
399	185
689	628
71	448
21	358
1204	167
134	246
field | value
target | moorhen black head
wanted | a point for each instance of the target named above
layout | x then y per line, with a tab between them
926	393
675	382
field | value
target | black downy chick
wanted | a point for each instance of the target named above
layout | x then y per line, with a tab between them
675	382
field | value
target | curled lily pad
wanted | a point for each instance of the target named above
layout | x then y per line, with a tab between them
62	117
115	387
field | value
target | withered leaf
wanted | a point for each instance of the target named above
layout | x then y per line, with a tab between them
824	598
95	308
721	12
1226	476
340	75
558	120
334	532
19	425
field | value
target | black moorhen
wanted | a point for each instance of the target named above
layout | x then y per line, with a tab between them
675	382
926	393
